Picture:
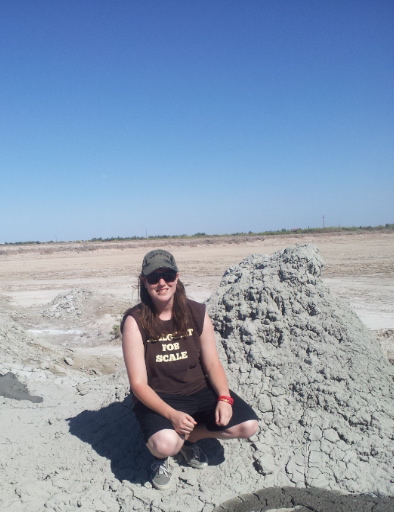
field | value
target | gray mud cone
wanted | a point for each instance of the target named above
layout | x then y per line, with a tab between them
312	370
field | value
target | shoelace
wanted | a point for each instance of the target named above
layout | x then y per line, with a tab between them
161	468
196	452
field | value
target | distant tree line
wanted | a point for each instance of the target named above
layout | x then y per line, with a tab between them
332	229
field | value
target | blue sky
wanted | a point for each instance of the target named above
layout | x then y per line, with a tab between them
126	117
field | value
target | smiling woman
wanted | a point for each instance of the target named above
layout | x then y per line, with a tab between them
175	373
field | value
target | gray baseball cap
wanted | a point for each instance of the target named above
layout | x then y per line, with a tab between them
158	258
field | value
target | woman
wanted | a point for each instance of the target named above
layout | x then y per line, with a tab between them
175	372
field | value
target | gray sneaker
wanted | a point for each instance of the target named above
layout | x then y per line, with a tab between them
194	456
161	475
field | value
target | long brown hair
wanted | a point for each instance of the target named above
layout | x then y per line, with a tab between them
150	321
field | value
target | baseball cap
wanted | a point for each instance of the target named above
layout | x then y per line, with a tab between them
158	258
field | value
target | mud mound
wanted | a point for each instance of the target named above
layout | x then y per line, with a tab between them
78	317
17	348
24	356
315	373
69	304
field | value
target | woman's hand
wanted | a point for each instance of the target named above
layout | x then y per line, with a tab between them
182	422
223	413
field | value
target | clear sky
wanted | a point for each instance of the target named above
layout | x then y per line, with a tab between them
135	117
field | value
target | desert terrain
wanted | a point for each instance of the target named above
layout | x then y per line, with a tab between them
359	267
62	378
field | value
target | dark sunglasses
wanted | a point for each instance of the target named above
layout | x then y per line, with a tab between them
168	276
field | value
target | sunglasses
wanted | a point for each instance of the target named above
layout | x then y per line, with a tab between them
169	276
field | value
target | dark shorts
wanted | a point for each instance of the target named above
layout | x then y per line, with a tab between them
201	406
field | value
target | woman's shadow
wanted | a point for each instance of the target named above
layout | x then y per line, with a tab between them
114	433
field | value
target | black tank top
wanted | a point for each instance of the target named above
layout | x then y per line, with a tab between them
173	362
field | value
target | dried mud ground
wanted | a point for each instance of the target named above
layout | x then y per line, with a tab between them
359	268
69	297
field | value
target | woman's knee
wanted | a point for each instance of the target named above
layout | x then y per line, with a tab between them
244	430
164	443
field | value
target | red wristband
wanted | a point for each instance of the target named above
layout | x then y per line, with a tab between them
226	399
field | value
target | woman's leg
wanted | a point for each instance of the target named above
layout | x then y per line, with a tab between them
241	431
164	443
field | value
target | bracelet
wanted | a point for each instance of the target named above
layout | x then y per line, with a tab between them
227	399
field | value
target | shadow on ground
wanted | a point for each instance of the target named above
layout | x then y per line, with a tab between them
289	499
114	433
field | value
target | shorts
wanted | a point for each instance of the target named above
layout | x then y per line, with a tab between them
201	406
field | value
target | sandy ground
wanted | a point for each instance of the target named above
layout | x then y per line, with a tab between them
359	268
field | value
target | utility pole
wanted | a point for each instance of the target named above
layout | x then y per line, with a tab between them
323	222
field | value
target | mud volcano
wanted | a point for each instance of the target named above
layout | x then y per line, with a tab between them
316	375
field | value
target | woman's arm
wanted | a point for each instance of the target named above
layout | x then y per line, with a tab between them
215	371
133	353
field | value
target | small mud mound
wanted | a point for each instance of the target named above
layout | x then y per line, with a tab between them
69	304
18	349
26	357
313	371
78	317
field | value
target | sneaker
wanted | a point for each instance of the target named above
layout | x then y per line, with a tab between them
161	475
194	456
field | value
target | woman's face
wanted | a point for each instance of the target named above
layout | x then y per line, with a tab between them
164	288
